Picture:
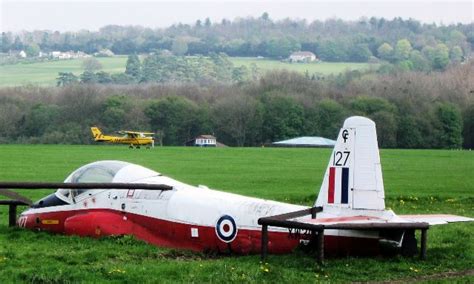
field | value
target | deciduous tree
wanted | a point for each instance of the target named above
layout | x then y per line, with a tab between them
238	120
385	51
402	49
179	47
450	126
175	117
32	50
440	56
91	64
282	119
66	78
133	66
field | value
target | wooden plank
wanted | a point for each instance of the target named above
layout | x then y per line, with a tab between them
95	185
10	202
295	214
289	224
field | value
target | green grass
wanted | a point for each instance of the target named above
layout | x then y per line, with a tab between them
324	68
416	181
45	73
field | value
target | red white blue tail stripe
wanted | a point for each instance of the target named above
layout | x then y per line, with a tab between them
338	186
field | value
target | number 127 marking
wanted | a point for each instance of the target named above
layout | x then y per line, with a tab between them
340	158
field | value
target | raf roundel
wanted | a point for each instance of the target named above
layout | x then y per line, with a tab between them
226	229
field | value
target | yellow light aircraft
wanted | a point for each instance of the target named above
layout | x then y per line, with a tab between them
132	138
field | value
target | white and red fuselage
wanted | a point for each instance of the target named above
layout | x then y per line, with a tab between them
189	217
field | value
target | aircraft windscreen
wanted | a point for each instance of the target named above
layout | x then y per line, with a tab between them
97	172
103	171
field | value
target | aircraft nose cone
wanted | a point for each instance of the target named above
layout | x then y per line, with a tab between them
25	220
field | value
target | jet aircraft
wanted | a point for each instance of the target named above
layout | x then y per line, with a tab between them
203	219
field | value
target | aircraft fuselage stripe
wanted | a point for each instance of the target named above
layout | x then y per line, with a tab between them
345	186
332	179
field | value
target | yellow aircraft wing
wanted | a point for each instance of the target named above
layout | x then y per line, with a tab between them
134	132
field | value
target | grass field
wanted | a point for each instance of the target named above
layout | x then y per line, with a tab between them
45	73
324	68
416	181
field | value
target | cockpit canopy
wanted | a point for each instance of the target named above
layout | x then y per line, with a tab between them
106	172
103	171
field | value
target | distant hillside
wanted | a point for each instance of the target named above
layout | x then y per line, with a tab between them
46	73
332	40
411	109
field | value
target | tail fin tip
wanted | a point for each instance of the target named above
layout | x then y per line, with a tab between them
96	133
353	178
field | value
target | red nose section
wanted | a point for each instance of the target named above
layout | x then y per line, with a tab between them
96	224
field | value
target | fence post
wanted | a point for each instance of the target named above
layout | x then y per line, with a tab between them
320	246
12	215
424	237
264	242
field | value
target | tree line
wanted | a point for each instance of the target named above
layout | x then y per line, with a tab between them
164	68
411	109
409	43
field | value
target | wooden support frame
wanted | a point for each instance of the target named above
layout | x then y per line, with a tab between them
317	230
12	206
282	221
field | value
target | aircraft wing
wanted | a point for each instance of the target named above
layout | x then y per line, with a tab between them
433	219
135	132
359	222
436	219
342	220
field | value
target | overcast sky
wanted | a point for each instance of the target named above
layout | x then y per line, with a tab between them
17	15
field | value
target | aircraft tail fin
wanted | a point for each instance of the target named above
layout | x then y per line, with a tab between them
96	133
353	178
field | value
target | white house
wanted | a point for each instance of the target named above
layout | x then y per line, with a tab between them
302	56
55	54
104	53
22	54
68	55
203	141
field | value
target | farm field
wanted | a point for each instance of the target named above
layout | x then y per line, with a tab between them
324	68
45	73
416	181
